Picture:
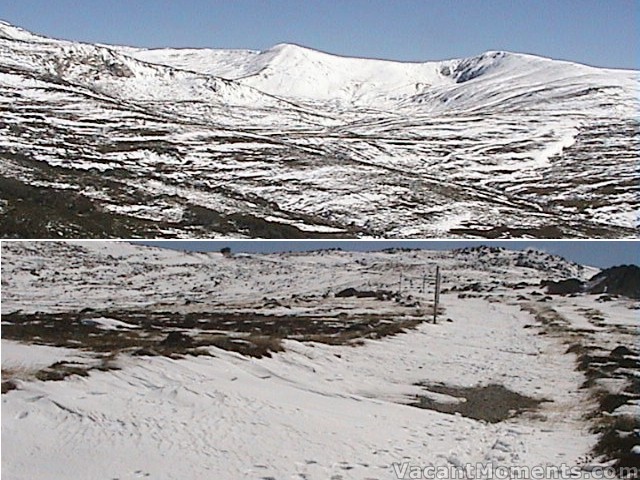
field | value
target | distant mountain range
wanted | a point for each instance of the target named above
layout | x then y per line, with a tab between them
112	141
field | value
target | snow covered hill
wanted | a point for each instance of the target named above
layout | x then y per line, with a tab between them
112	141
93	387
129	275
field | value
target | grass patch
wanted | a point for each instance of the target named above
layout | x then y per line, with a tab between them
490	403
174	334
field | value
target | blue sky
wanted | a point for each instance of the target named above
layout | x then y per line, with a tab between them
595	253
595	32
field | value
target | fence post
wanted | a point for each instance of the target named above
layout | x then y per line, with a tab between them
436	295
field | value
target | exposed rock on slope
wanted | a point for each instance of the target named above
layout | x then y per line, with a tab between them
620	280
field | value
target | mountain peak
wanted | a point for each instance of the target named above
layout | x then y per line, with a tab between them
283	47
291	52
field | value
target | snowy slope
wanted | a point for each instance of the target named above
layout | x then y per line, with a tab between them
292	142
306	412
105	72
230	64
312	411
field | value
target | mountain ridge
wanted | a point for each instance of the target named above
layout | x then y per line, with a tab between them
284	58
22	32
367	82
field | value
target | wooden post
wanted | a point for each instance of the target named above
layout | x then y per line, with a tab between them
400	288
436	295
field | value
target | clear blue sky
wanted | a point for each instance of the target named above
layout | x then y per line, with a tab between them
595	32
595	253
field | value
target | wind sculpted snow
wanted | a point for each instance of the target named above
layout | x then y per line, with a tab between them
110	141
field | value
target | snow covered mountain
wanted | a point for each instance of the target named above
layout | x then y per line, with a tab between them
115	141
296	72
124	361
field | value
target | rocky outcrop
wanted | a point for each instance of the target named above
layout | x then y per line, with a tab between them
621	280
